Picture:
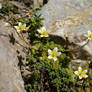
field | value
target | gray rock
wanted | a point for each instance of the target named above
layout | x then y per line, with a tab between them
70	19
37	3
10	76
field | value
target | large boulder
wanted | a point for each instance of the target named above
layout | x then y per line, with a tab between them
70	20
10	76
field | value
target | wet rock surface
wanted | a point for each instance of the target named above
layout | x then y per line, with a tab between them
70	19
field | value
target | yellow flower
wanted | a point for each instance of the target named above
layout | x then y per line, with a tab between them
21	27
81	73
53	53
89	35
43	32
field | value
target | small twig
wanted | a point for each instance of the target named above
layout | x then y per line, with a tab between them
24	40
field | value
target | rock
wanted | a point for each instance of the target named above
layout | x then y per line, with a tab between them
77	62
29	3
10	53
19	5
71	19
37	3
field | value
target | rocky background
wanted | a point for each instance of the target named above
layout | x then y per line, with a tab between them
67	21
11	55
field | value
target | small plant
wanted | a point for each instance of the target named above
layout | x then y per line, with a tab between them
51	73
53	54
81	73
43	32
21	27
8	8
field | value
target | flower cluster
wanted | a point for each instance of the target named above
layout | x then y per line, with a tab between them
53	53
43	32
21	27
81	73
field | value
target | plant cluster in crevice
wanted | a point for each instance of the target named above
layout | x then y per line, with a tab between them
43	74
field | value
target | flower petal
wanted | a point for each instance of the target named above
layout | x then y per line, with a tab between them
19	23
27	28
86	76
24	25
59	53
79	68
89	32
43	28
80	77
55	59
76	72
17	28
49	57
86	71
49	50
42	35
56	48
39	30
46	35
